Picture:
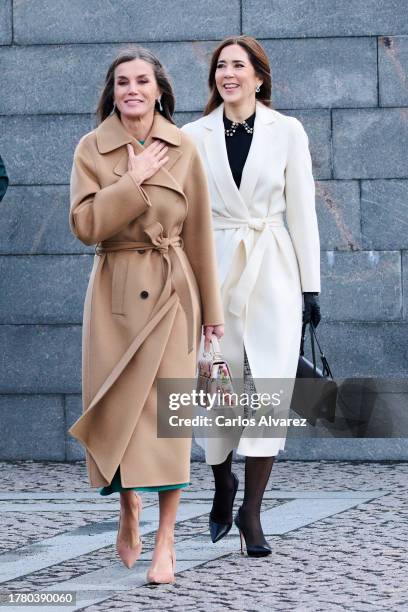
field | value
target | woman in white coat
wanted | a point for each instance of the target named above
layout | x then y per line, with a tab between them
259	169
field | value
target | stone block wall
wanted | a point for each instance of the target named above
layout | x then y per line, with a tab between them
339	67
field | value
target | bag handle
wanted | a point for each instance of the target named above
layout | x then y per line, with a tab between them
326	367
313	337
214	345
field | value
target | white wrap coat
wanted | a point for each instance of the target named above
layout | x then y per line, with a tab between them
264	264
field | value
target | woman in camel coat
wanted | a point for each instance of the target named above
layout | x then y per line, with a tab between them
138	192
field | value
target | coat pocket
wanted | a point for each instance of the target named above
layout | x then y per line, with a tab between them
119	278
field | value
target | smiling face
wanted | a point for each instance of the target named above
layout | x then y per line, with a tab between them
235	76
135	89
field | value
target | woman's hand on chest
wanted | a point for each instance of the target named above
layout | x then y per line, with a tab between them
147	163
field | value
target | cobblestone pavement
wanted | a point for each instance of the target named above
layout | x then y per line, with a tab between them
339	533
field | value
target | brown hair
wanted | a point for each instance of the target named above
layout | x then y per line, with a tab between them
259	61
106	100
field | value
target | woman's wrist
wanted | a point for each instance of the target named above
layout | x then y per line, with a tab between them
136	176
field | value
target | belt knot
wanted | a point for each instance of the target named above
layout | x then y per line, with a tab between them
162	243
257	223
159	240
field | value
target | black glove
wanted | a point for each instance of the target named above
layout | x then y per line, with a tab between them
311	308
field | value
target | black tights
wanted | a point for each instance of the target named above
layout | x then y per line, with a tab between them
257	472
224	491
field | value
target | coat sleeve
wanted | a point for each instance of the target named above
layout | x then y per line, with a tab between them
98	213
199	245
300	208
3	180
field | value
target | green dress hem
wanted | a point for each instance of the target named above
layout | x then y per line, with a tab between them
116	486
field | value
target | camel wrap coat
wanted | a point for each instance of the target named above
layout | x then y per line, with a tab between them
153	285
268	253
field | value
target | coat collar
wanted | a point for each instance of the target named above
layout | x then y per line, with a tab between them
214	120
237	201
111	133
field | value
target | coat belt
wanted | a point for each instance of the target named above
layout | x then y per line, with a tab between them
242	290
169	248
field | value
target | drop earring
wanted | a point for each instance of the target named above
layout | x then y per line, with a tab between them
160	105
258	88
113	109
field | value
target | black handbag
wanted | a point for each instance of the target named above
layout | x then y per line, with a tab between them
315	392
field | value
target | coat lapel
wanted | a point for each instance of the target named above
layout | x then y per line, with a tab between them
237	201
258	152
216	152
111	135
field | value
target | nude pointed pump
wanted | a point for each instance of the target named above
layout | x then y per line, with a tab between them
154	577
129	554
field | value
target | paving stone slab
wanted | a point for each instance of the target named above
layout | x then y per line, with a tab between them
40	359
339	215
323	72
321	565
85	21
43	289
352	18
34	221
393	70
370	143
384	218
6	26
362	285
38	149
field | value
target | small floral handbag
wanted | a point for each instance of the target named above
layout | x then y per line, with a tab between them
214	375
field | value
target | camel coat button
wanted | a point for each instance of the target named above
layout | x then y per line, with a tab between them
144	294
